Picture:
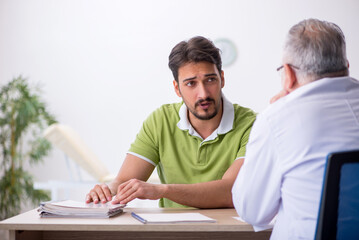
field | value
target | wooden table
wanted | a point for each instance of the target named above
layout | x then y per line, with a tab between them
30	226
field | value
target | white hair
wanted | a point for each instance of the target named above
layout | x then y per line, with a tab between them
317	48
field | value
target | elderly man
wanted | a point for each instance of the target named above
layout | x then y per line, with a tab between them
316	113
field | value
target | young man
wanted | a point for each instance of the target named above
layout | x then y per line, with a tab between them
316	113
198	145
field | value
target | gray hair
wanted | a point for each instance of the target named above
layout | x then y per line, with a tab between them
317	48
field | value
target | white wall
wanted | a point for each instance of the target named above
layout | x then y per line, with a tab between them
103	64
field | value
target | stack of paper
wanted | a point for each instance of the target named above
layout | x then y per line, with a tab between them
171	217
71	208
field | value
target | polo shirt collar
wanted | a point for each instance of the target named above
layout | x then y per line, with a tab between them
225	125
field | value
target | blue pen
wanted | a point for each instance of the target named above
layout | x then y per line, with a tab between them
138	217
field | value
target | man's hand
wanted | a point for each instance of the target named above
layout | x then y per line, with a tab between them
279	95
101	192
135	188
132	167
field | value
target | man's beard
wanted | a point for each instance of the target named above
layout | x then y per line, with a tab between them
206	117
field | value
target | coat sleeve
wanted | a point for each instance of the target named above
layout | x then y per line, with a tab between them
256	191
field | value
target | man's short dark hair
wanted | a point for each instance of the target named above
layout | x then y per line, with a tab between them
196	49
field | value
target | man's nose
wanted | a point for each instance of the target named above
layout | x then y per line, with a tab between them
203	92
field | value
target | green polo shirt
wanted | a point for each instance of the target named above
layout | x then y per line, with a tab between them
167	140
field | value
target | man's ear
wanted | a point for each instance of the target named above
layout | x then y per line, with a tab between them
177	90
222	79
290	79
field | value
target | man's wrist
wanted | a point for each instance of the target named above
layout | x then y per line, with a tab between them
113	187
165	188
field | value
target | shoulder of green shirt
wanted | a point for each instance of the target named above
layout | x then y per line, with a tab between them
166	111
170	107
243	115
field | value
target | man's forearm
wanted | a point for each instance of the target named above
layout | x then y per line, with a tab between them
213	194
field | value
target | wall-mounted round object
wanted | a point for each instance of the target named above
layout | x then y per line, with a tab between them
228	51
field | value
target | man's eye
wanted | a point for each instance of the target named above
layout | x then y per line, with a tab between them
211	79
190	84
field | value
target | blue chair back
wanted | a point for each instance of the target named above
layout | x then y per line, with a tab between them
338	216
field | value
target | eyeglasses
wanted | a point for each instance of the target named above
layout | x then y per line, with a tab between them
281	67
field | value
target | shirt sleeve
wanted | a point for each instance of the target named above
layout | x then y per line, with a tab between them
146	144
256	191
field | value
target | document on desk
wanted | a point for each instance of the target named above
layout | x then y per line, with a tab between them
171	217
70	208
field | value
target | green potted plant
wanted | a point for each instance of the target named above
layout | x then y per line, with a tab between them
23	116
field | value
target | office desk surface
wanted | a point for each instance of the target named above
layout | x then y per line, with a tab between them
47	228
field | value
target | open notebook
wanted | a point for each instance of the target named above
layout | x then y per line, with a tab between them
171	217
